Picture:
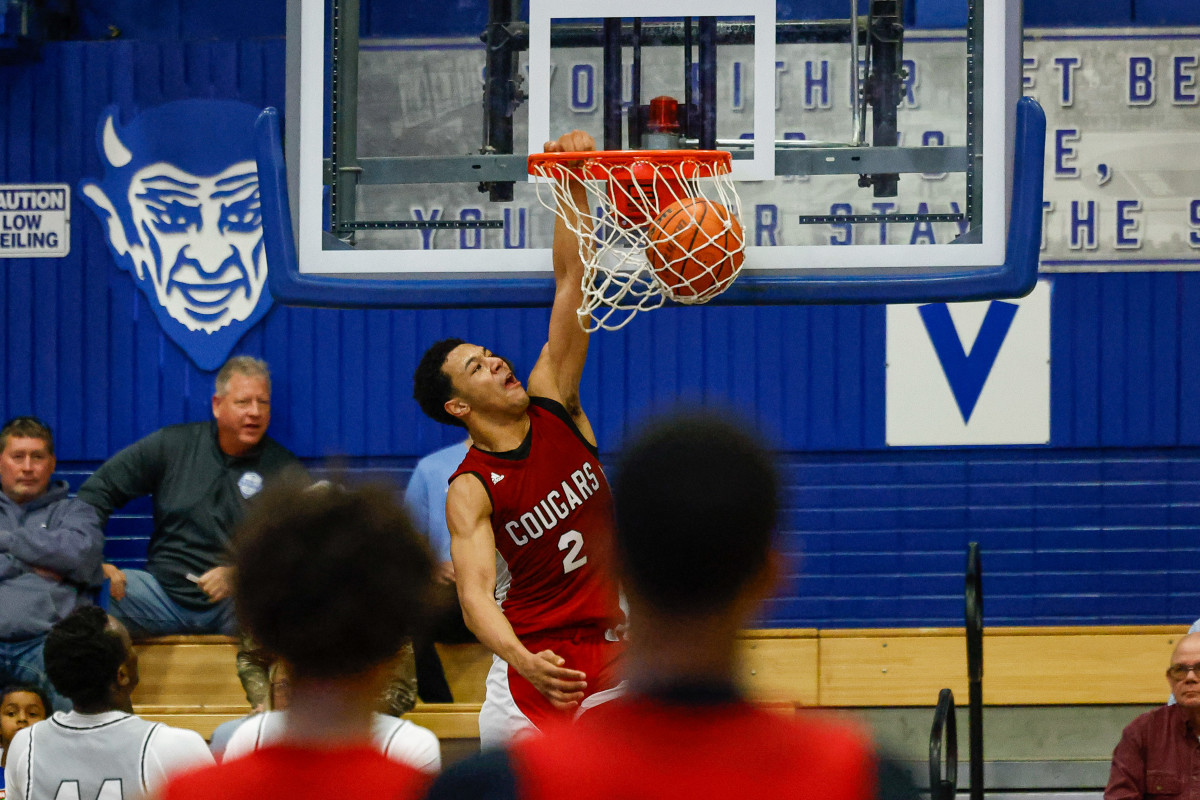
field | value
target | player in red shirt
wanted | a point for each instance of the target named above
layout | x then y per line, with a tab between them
333	581
529	512
696	509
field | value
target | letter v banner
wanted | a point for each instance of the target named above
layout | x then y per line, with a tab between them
969	373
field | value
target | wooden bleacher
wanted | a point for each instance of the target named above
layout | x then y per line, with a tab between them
190	681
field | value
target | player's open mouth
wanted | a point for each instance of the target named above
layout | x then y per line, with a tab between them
511	381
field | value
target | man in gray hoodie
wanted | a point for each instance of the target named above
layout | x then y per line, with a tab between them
50	552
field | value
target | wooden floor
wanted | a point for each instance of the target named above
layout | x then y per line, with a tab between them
191	681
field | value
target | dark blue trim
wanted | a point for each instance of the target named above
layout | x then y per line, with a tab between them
1066	262
1104	37
1014	278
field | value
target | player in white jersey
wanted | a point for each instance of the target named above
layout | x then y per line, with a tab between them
101	750
398	739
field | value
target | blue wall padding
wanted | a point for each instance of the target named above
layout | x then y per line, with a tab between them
1166	12
817	9
941	14
1066	13
204	19
187	19
399	19
1068	537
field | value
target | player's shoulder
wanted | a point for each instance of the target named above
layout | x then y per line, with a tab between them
18	746
468	485
177	742
815	734
248	736
407	742
545	408
540	405
387	725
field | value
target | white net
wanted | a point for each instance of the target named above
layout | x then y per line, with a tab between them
653	229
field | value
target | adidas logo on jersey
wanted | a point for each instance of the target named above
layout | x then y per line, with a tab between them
496	478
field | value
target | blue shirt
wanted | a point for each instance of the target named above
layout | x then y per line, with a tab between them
425	497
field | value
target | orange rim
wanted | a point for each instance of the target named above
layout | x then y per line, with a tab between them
598	164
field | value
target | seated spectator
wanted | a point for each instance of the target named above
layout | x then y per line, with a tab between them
1194	629
398	739
20	707
201	475
50	552
695	574
263	699
253	664
1157	751
100	747
425	501
257	671
339	637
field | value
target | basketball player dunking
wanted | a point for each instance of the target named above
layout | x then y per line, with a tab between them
530	513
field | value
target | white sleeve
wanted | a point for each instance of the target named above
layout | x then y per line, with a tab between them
16	765
245	739
416	746
172	751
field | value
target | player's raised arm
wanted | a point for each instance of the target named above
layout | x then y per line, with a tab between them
473	551
560	366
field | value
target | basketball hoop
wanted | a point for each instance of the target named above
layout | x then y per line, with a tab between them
658	224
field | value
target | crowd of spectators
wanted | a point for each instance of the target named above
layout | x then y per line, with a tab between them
201	478
241	531
335	651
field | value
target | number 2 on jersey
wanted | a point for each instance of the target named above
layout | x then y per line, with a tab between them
574	541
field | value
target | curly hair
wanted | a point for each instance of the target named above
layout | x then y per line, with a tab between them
696	502
82	655
432	386
334	580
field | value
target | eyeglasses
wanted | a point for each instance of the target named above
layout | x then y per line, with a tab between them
1180	671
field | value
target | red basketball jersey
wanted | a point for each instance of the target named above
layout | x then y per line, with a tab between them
552	520
289	772
641	748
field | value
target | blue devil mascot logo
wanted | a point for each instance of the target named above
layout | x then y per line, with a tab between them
180	206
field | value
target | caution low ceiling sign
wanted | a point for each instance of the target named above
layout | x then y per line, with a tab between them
35	220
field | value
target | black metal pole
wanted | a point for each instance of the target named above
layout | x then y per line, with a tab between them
612	83
499	89
943	782
690	128
343	129
975	132
635	78
708	83
886	32
974	619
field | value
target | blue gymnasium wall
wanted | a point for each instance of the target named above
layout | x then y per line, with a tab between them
1098	528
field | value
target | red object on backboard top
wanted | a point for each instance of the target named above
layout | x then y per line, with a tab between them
641	182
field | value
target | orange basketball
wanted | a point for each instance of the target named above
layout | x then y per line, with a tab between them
695	248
